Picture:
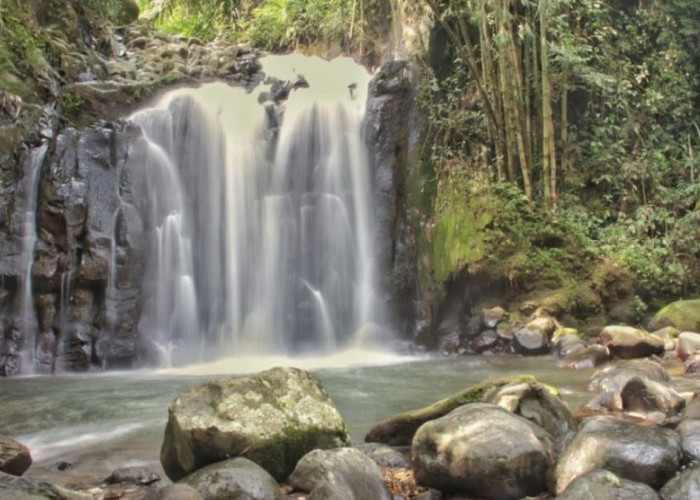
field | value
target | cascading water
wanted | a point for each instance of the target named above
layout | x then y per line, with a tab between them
259	236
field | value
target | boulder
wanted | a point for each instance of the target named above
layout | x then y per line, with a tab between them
19	488
688	344
533	338
641	395
233	479
692	364
272	418
537	403
14	457
690	439
399	429
484	451
588	357
133	475
602	484
178	492
684	486
492	316
484	341
613	378
565	343
683	315
627	343
339	474
384	455
650	455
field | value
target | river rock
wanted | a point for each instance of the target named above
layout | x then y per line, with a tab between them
15	458
484	451
178	492
484	341
689	431
535	403
384	455
626	342
603	484
566	343
650	455
642	395
588	357
533	338
683	315
688	344
613	378
339	474
19	488
684	486
133	475
492	316
399	429
272	418
234	479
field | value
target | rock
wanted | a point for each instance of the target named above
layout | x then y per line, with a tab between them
588	357
533	338
339	474
684	486
272	418
613	378
683	315
133	475
19	488
689	431
233	479
384	455
535	403
484	341
666	333
603	484
178	492
692	409
649	455
692	364
492	316
484	451
399	429
640	394
626	342
15	458
688	344
566	341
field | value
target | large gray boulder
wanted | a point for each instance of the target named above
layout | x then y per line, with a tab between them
484	451
272	418
602	484
15	458
534	337
234	479
627	342
613	378
690	439
339	474
650	455
684	486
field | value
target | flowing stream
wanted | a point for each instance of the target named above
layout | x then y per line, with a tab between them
102	422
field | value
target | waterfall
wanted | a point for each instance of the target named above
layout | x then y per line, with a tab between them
258	215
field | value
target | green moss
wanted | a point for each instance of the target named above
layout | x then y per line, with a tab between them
682	314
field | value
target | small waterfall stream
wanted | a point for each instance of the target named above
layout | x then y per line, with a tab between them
257	216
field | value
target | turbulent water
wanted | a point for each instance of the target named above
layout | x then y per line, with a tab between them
259	216
100	423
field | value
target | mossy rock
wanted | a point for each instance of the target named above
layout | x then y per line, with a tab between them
400	429
579	301
683	315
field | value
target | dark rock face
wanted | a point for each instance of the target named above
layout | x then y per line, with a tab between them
648	455
392	146
484	451
84	216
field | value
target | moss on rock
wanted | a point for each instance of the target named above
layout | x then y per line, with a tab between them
683	315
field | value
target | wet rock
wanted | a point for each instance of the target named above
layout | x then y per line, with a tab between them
19	488
566	341
492	316
133	475
399	429
484	341
641	395
688	344
272	418
484	451
178	492
613	378
588	357
339	474
234	479
649	455
626	342
692	364
535	403
534	337
689	431
384	455
683	315
602	484
15	458
684	486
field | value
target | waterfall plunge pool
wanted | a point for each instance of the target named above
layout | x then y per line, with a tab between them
102	422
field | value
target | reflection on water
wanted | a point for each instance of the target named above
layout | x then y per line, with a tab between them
100	422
